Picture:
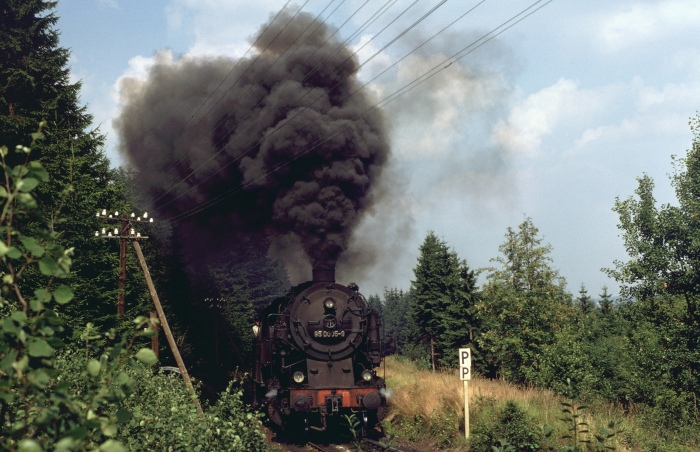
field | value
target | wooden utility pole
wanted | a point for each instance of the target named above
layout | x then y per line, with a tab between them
154	339
166	327
127	233
124	233
122	266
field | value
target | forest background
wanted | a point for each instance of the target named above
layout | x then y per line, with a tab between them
75	375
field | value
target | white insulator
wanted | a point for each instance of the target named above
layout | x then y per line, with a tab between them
145	214
104	212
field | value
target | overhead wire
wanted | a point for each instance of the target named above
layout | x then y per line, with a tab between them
302	110
279	57
299	112
226	77
463	52
172	140
514	20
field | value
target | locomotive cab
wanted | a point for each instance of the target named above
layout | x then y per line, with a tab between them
317	354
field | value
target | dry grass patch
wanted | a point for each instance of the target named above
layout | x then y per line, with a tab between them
434	397
417	391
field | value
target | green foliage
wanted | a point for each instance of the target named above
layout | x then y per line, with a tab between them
99	394
159	413
661	277
398	328
512	429
441	429
354	429
578	433
442	298
37	409
522	307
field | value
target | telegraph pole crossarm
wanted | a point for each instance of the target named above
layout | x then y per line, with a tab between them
123	233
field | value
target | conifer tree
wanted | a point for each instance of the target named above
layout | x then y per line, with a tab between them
606	304
396	320
35	86
443	295
585	302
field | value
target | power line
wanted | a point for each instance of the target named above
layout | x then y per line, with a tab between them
252	65
172	141
390	98
302	110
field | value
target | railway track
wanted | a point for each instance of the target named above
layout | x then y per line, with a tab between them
366	445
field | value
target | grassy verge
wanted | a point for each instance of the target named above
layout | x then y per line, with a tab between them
428	409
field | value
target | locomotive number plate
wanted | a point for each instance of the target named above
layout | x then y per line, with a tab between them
336	333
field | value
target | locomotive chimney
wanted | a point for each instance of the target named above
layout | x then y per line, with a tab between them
324	275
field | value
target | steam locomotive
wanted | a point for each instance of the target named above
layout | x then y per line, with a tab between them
316	353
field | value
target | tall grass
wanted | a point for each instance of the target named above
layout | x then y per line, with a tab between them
428	408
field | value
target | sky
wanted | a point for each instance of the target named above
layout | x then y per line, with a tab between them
552	119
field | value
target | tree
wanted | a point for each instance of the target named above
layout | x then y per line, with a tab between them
443	294
606	304
664	242
523	305
662	279
396	320
35	86
585	303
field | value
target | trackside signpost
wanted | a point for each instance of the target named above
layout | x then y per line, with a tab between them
465	374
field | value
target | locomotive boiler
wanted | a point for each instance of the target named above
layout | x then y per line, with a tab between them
317	350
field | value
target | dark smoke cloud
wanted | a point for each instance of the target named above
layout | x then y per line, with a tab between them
300	151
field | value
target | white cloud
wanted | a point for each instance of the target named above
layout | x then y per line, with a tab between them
114	4
432	118
644	22
672	94
539	114
219	27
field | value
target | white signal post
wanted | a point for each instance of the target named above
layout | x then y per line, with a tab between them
465	374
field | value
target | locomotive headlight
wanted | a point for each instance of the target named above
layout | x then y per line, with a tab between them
329	303
367	375
298	377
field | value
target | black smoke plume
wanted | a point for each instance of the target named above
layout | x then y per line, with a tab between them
283	145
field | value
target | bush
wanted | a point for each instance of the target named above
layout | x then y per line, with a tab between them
512	426
95	393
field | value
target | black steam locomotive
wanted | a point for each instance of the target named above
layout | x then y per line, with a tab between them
317	350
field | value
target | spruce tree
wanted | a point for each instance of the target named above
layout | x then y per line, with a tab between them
606	304
584	301
442	300
35	86
396	321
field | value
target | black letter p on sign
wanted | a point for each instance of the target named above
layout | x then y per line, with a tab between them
465	364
